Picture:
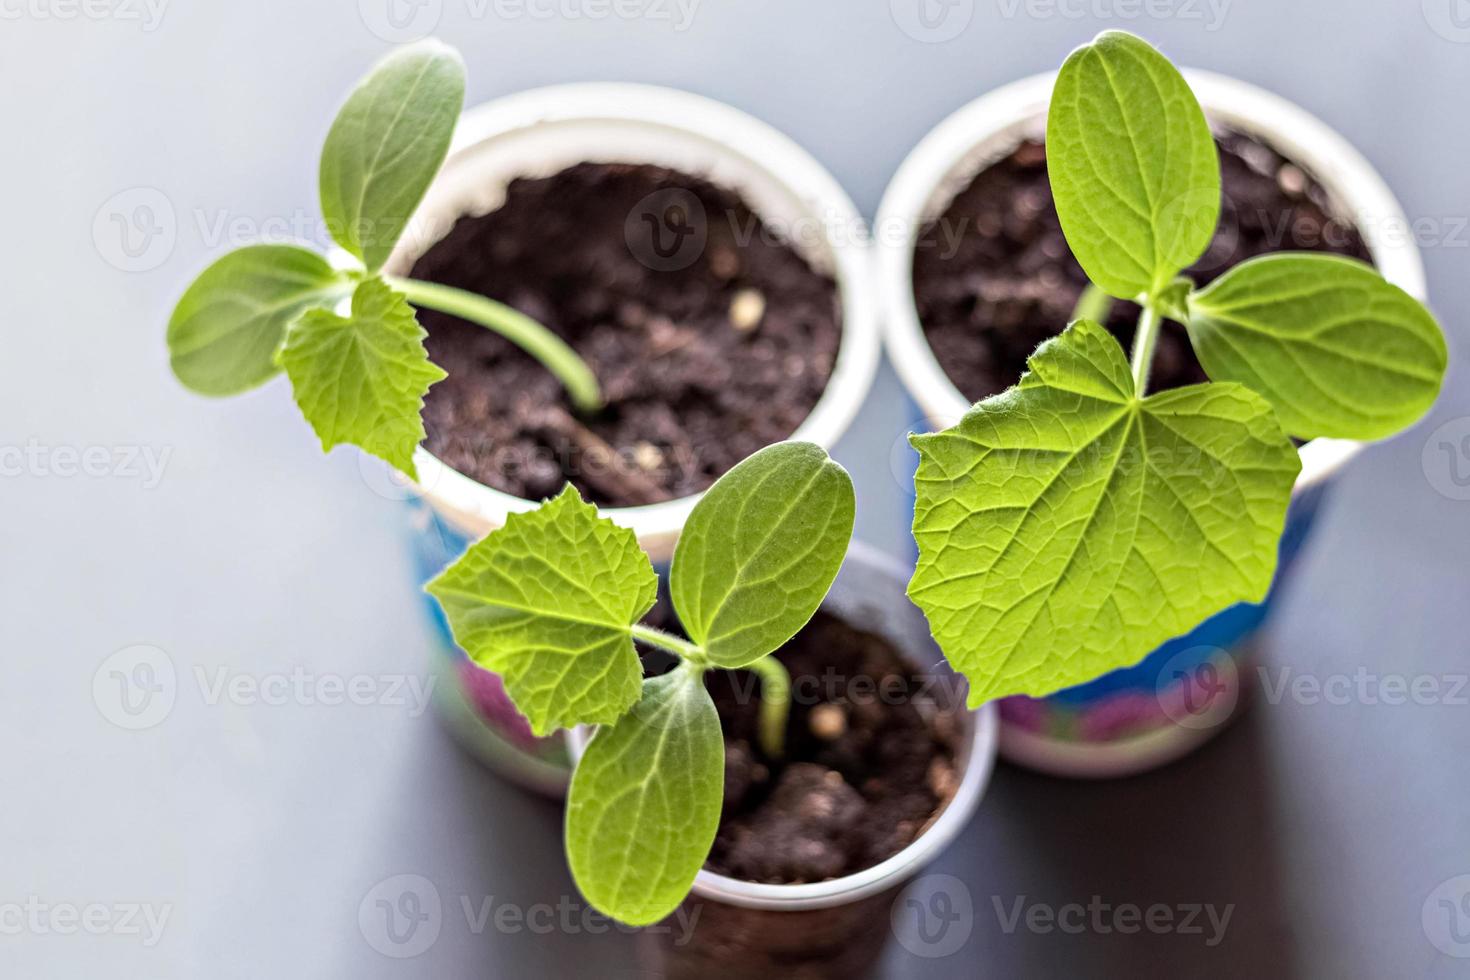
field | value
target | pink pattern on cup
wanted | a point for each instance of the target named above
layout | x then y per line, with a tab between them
486	692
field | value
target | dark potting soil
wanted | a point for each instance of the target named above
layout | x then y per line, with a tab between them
993	277
705	354
871	756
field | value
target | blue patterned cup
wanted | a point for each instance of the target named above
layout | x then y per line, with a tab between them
541	132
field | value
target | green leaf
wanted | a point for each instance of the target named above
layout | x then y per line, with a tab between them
1132	165
385	146
645	801
361	379
227	327
760	551
547	602
1067	527
1334	347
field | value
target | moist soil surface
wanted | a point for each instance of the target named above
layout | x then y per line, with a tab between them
705	353
993	277
871	756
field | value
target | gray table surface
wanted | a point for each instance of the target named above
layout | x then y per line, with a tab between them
253	831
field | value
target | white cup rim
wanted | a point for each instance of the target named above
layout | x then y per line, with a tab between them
1297	134
754	145
892	871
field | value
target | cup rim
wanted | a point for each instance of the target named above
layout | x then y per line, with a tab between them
751	144
1297	134
894	870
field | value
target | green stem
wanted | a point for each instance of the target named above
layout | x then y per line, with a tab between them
1093	304
775	704
1144	340
669	643
514	326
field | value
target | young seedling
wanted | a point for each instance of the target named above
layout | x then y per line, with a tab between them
1070	525
552	603
359	375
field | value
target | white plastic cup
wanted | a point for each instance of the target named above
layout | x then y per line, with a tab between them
539	133
1054	735
838	926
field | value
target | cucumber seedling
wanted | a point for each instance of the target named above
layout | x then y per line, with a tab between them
359	375
1068	526
553	601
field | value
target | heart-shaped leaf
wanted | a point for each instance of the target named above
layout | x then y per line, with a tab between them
361	379
1334	347
760	551
645	801
548	602
1132	165
1067	527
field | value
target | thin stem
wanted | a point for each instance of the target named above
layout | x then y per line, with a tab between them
669	643
1093	304
775	704
1144	340
533	338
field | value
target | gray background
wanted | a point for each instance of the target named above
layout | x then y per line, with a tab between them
261	827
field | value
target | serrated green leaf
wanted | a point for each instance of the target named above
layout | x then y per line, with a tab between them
645	801
1334	347
385	146
1132	165
1067	527
361	379
760	551
227	327
547	602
